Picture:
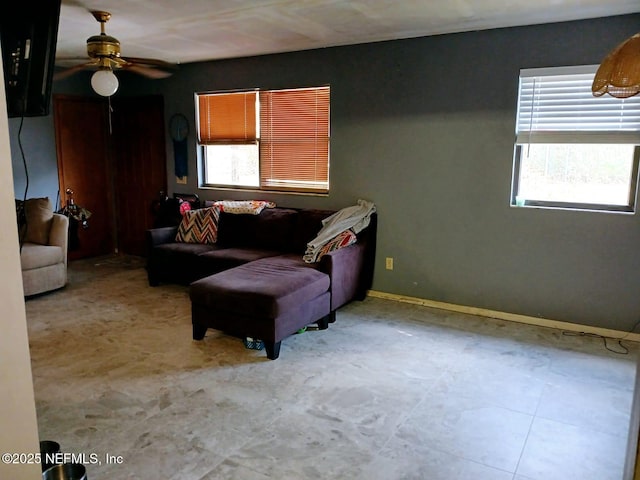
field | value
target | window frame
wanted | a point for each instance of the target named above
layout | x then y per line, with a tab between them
565	136
262	186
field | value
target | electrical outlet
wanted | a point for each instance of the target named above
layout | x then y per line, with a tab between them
389	263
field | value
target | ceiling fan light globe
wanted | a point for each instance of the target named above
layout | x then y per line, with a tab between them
104	82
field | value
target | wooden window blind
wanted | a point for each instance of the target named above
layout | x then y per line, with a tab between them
227	118
294	139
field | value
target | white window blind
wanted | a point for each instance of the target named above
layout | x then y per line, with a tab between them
555	105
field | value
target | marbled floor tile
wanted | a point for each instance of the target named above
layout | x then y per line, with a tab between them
428	326
468	428
410	349
423	364
529	355
148	455
503	372
215	420
306	445
558	451
229	470
598	407
595	364
373	408
83	424
415	461
493	384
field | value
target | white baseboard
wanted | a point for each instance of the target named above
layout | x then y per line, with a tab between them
512	317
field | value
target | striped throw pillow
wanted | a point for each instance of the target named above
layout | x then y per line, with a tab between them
199	226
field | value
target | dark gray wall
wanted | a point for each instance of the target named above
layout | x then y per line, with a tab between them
425	129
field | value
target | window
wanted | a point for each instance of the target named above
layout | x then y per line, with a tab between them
574	150
267	140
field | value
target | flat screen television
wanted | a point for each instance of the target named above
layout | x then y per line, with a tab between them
28	37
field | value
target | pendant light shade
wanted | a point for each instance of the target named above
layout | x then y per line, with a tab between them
104	82
619	73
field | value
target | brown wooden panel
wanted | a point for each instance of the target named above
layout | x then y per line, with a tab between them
82	144
139	156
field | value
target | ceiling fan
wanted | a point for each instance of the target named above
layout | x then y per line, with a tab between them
104	56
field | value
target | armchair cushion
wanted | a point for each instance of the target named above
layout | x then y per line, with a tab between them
34	255
38	214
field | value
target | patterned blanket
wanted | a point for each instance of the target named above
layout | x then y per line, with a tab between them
355	218
252	207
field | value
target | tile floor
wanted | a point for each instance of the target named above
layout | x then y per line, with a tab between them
390	391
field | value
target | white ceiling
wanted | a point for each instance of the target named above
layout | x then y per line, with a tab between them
184	31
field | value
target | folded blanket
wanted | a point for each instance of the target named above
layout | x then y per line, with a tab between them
356	218
252	207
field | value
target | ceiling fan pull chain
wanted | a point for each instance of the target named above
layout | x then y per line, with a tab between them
110	112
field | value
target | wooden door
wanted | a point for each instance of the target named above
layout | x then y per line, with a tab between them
140	172
82	144
116	166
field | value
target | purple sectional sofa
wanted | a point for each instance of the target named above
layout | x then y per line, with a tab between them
253	281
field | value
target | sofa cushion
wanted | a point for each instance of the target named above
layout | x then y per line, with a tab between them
236	230
272	229
214	261
309	224
276	229
264	288
180	248
178	262
38	213
33	255
199	226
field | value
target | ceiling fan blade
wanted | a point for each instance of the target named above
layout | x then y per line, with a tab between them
149	67
151	62
147	71
62	74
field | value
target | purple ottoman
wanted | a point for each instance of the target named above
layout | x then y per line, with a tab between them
269	299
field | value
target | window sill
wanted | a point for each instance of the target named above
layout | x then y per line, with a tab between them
571	209
262	192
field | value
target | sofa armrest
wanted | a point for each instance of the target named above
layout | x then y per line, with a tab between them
158	236
155	237
59	233
345	269
351	268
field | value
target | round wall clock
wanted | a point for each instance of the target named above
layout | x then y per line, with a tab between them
178	127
